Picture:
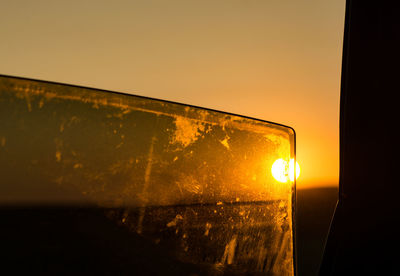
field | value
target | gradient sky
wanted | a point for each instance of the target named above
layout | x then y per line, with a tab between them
274	60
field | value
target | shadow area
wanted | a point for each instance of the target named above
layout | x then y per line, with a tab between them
79	241
315	208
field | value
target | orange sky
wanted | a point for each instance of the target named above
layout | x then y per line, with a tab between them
273	60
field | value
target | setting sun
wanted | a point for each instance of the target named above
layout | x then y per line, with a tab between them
283	171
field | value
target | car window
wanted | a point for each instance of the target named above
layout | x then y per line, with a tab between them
210	191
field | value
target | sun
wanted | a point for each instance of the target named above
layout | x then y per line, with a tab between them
283	171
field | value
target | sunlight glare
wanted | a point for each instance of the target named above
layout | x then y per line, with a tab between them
283	172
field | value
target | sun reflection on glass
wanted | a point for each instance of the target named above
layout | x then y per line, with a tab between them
283	171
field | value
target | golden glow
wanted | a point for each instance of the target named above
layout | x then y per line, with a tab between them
283	171
291	170
279	170
252	66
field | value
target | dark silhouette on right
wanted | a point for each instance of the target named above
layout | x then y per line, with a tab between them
364	238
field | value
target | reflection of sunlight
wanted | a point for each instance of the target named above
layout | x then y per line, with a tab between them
279	170
283	172
291	170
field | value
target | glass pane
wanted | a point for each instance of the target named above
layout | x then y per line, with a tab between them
157	186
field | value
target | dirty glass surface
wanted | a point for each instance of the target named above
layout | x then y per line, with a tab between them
120	183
